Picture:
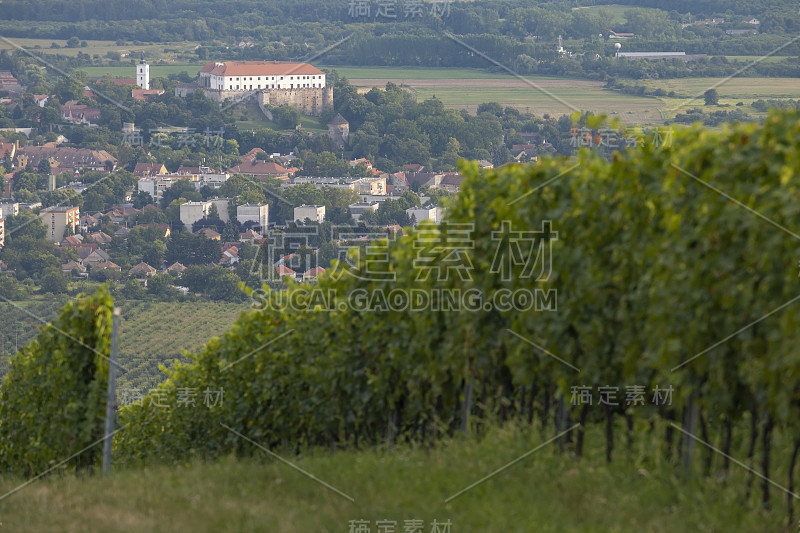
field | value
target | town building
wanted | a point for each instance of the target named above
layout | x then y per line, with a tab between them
144	94
433	214
156	185
9	83
358	209
65	159
222	208
258	213
58	219
260	169
149	169
374	186
9	208
191	212
77	113
314	213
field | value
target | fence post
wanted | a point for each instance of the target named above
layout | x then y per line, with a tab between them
111	398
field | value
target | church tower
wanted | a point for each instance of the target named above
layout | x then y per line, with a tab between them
143	74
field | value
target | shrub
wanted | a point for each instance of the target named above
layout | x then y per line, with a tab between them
53	399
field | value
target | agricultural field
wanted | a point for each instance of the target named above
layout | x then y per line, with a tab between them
158	332
151	333
468	88
733	88
166	51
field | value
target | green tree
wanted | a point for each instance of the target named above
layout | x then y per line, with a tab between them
54	282
711	97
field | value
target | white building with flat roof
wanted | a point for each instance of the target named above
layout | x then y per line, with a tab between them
434	214
258	213
358	209
315	213
222	208
191	212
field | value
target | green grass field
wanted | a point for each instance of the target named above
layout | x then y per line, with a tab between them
543	492
617	11
156	70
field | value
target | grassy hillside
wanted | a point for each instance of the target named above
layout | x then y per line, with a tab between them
151	332
544	492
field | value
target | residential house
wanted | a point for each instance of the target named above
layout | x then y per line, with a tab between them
107	265
9	83
313	273
144	94
164	230
176	268
88	221
149	169
451	182
261	170
122	232
249	236
95	258
209	233
230	256
70	266
41	99
285	272
99	237
142	270
77	113
85	250
72	240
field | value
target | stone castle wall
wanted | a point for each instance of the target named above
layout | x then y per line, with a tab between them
309	101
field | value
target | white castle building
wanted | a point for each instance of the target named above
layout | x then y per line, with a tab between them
271	83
